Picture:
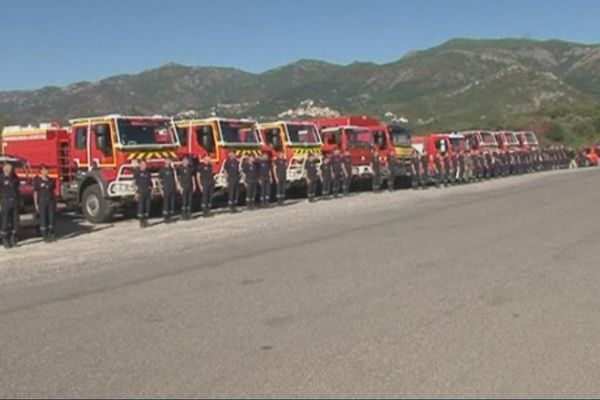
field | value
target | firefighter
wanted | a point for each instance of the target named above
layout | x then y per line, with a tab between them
461	176
392	164
326	177
168	188
415	165
454	166
337	173
143	192
9	189
232	173
45	203
311	177
266	179
447	168
438	167
376	168
250	171
347	166
280	174
187	184
425	165
206	183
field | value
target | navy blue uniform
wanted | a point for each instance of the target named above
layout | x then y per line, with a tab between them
376	163
143	183
337	174
44	187
207	181
348	174
392	164
326	178
281	176
311	179
9	190
232	167
186	180
167	180
265	180
250	170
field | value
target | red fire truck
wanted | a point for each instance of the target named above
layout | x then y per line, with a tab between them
482	141
507	141
93	159
432	144
528	140
296	140
216	137
358	140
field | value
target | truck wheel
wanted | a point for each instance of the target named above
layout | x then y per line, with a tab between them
95	207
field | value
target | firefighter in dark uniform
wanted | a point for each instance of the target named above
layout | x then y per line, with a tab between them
311	177
415	165
337	172
280	175
187	184
326	177
168	189
476	165
45	203
232	171
143	192
447	168
9	190
206	183
439	169
454	167
376	167
424	169
266	179
347	165
250	171
392	164
461	165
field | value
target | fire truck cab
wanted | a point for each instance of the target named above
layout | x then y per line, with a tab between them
295	139
528	140
507	141
93	159
482	141
357	140
432	144
216	137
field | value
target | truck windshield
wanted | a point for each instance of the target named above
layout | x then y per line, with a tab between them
359	136
400	135
530	137
487	138
238	132
145	132
302	134
511	138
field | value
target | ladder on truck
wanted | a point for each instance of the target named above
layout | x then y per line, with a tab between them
65	167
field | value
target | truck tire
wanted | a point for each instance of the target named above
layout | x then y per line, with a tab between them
94	206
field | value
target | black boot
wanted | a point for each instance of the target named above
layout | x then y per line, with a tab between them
13	240
6	242
142	223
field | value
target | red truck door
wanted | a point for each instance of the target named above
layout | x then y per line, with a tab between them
101	149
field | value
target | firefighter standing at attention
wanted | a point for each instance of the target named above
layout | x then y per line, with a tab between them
9	190
326	177
376	167
45	203
311	177
143	192
250	171
392	164
168	189
266	179
206	183
188	187
280	175
232	172
415	165
347	165
337	173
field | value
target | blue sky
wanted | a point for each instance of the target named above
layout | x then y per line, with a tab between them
44	42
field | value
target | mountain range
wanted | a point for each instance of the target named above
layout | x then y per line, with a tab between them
463	83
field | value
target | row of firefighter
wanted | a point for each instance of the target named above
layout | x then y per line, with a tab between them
93	160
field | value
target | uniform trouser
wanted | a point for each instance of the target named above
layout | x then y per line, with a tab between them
347	183
186	200
207	194
169	203
461	173
280	188
143	205
233	193
10	217
251	192
446	175
391	178
311	188
335	185
265	190
376	180
424	179
47	208
326	186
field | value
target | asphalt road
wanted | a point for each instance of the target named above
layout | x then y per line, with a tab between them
484	290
